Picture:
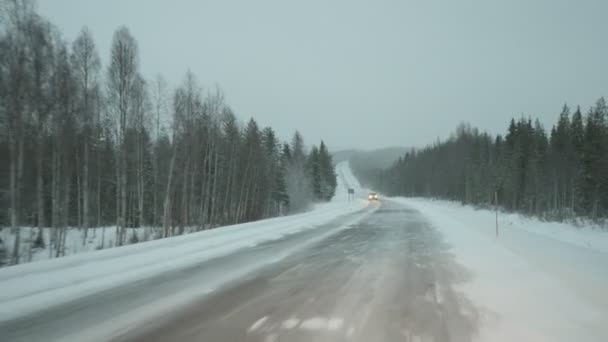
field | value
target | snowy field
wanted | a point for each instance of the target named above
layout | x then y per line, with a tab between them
28	287
537	281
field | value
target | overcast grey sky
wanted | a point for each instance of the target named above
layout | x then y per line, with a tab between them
367	73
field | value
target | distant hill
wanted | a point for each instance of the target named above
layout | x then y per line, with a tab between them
367	164
380	158
342	155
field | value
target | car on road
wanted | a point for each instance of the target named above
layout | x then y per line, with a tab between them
372	196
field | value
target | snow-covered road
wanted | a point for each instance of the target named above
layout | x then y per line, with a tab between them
386	278
397	270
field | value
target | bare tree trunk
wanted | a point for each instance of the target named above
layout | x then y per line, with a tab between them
58	243
158	102
99	198
39	193
167	205
184	200
103	237
65	211
206	189
244	207
131	194
233	188
30	247
155	189
572	199
563	203
214	191
39	183
19	187
191	195
203	205
78	191
228	193
140	181
253	197
242	195
118	185
123	194
556	201
173	214
16	176
54	201
85	190
98	167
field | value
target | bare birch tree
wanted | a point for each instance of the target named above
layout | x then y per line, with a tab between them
122	74
86	65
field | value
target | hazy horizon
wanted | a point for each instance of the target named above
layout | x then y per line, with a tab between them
341	71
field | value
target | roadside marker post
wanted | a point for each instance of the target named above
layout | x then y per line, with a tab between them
351	194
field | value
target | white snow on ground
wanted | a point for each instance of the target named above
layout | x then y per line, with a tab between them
537	281
74	237
586	235
29	287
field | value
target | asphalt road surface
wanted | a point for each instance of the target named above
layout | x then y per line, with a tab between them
387	277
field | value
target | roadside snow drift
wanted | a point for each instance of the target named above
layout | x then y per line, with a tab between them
28	288
535	282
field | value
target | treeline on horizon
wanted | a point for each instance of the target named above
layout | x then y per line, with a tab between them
557	175
85	145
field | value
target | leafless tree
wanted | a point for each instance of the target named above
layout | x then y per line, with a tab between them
16	65
86	65
159	101
122	76
68	145
141	107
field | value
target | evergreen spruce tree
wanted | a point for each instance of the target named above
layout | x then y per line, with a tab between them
328	173
298	178
561	163
313	168
280	195
556	176
577	137
593	152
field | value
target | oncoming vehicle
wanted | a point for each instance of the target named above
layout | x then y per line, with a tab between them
372	196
